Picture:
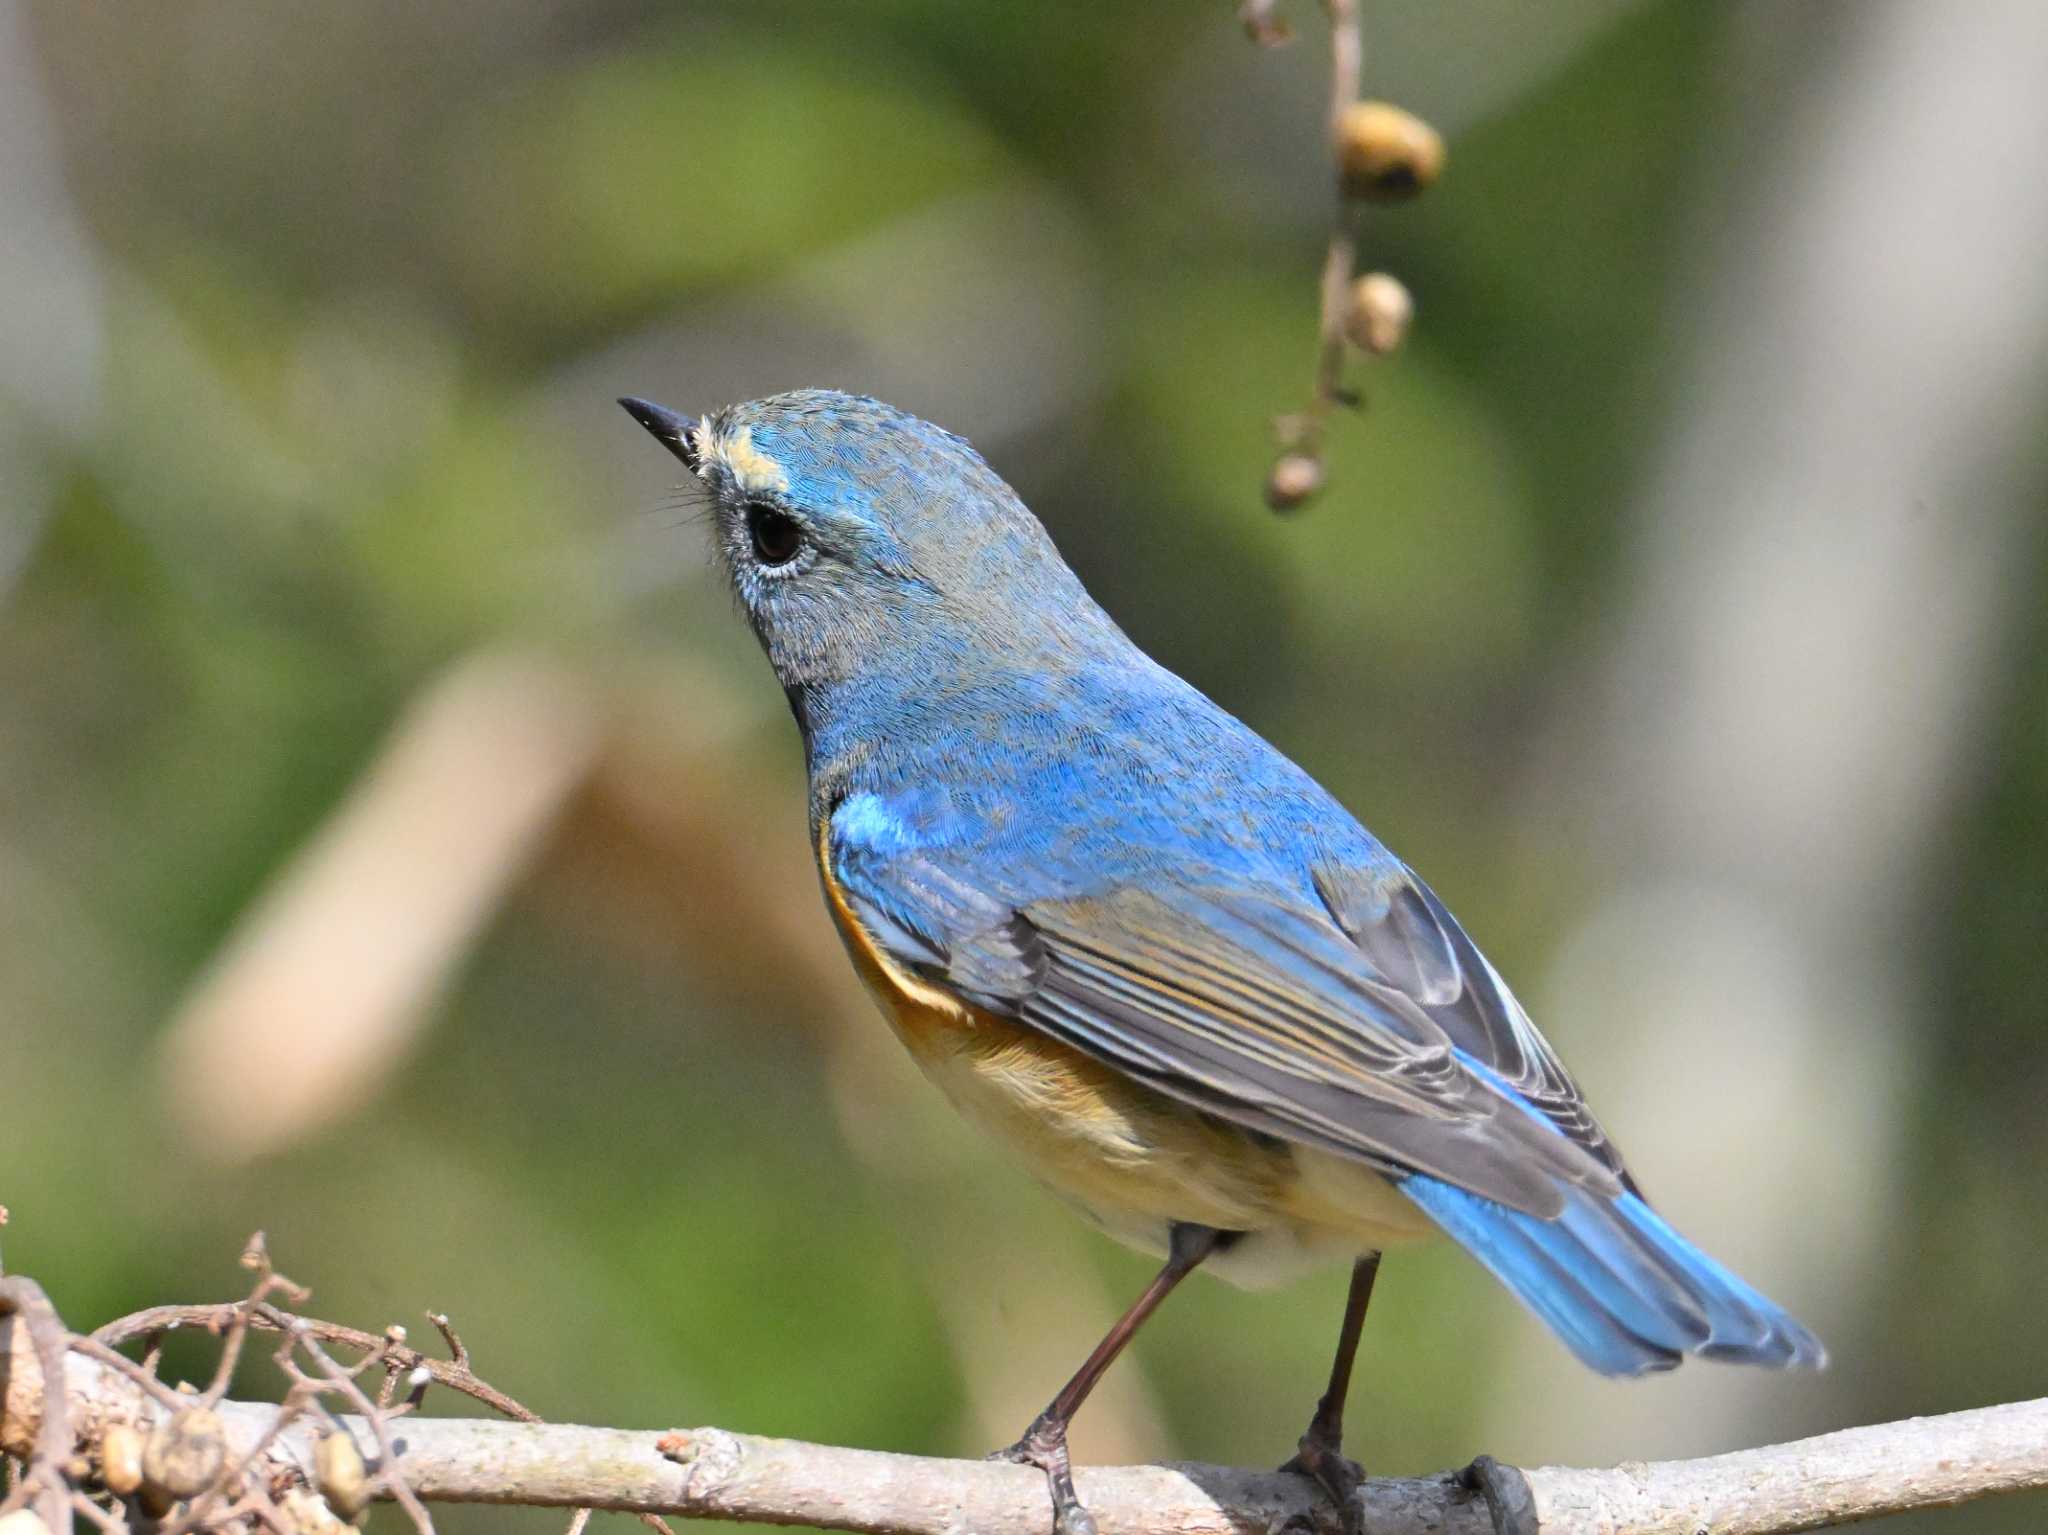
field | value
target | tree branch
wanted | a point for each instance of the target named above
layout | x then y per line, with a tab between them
710	1473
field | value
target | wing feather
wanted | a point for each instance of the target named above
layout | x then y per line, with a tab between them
1408	936
1269	1012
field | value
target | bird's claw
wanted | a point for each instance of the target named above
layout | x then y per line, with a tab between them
1506	1491
1337	1474
1047	1450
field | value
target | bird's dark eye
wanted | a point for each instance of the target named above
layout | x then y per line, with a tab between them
777	538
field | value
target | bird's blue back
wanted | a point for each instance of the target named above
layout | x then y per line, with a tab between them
1107	771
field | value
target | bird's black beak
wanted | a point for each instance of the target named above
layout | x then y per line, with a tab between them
670	430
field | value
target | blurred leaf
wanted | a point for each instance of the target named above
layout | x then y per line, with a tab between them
595	192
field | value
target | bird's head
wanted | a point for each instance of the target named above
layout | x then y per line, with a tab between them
864	542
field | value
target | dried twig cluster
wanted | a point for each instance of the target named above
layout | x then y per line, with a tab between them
1380	154
166	1468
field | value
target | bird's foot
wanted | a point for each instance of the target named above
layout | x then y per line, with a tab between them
1343	1478
1044	1445
1506	1491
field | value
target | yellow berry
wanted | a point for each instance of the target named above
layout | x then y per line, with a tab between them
1386	154
339	1472
120	1459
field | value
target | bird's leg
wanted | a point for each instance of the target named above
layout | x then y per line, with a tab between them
1044	1444
1321	1455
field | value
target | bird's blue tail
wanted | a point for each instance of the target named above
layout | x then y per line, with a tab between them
1623	1290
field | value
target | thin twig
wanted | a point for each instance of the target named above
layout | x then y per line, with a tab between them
81	1504
1337	269
449	1336
1302	432
1347	65
456	1377
255	1255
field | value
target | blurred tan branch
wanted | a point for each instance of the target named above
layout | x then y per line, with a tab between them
327	983
711	1473
321	991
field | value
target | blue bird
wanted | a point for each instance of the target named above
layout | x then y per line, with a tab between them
1131	939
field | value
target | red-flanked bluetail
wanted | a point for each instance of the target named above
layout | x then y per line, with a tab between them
1134	941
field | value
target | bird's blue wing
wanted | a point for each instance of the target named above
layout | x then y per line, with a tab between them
1411	940
1356	1017
1248	1002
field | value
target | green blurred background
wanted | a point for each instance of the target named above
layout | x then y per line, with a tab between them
401	843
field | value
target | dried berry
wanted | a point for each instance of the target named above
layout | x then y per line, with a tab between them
1386	154
185	1453
1293	481
339	1472
120	1459
1378	315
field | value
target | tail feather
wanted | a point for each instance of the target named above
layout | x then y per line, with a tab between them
1625	1292
1745	1325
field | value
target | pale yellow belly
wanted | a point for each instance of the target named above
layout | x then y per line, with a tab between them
1135	1161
